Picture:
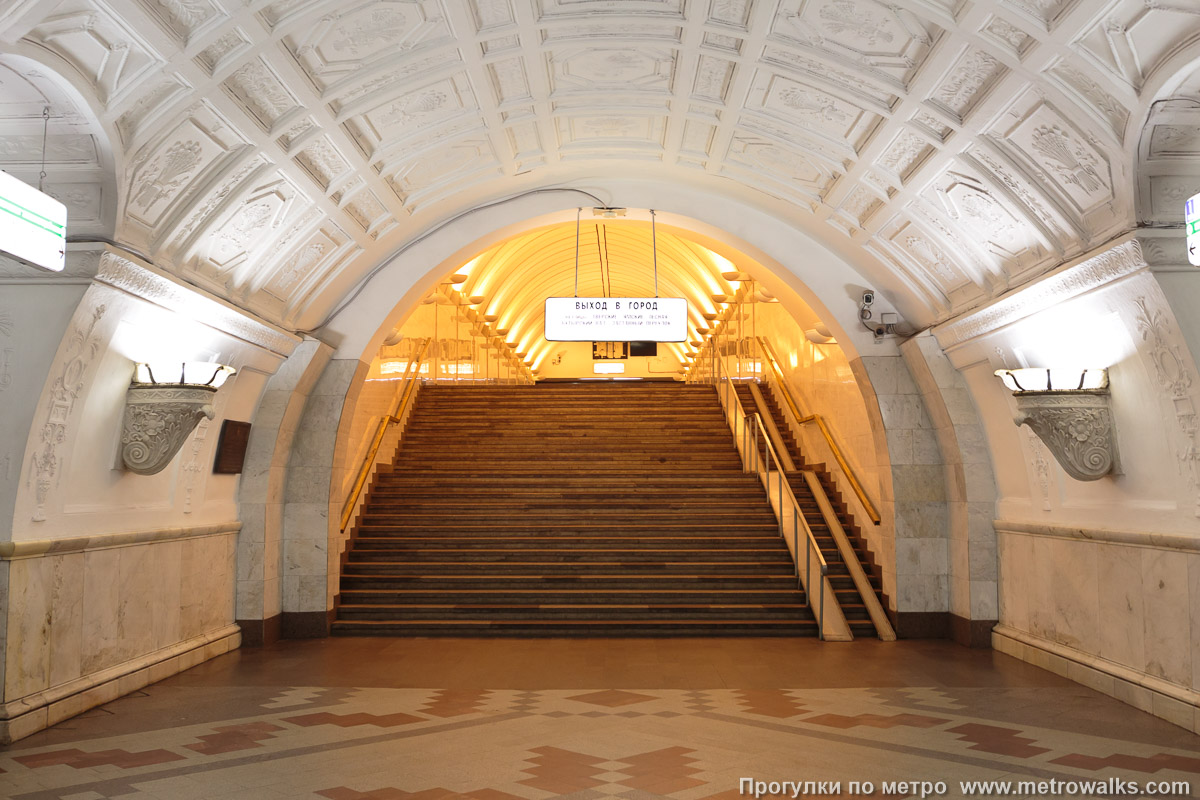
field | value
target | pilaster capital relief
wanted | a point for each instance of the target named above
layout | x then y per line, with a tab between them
39	548
1165	249
1117	260
81	267
143	281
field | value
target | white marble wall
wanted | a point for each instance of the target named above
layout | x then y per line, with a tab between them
264	477
913	487
1111	600
312	501
970	484
85	612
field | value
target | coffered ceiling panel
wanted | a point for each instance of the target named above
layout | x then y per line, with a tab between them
275	151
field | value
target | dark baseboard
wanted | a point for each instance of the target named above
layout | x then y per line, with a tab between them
305	624
257	632
921	624
972	632
942	625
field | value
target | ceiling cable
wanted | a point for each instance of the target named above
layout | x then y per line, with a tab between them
654	247
363	281
578	212
45	132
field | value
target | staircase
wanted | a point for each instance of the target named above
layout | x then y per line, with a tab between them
847	593
589	509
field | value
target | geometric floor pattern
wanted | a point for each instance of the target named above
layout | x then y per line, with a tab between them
221	739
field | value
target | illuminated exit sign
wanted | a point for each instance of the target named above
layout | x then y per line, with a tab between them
1191	219
616	319
33	225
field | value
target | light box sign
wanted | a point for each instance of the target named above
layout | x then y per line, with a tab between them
1191	220
33	225
616	319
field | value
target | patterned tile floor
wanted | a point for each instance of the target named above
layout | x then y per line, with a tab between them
640	719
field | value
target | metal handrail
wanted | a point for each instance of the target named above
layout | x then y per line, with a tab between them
802	419
798	519
385	421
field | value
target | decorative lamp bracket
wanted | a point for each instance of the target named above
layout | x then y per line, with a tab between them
159	416
1077	427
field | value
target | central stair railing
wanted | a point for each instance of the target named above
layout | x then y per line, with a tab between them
406	396
758	455
800	419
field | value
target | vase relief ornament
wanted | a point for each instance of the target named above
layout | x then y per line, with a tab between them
1077	428
158	420
65	391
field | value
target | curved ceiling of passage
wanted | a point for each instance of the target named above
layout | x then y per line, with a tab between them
1169	155
616	259
291	146
78	159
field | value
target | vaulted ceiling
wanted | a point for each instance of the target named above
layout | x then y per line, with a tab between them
275	152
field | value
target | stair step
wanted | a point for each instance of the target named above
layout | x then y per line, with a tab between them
574	510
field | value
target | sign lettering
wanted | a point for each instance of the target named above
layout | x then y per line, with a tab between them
616	319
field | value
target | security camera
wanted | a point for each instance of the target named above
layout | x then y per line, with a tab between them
868	297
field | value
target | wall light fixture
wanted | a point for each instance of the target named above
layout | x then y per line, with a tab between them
164	404
1069	410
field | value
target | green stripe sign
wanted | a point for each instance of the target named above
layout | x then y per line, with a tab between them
33	225
1191	223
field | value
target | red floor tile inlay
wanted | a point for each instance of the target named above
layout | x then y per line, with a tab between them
455	702
661	771
563	771
231	738
994	739
353	720
81	760
776	703
1135	763
877	721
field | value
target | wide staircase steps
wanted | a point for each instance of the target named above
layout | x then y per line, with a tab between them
849	598
590	509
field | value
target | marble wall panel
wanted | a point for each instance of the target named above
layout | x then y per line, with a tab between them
1165	585
5	573
101	601
1120	603
28	653
1073	606
265	481
66	634
168	573
950	441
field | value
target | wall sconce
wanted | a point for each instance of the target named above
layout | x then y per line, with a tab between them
1069	411
164	404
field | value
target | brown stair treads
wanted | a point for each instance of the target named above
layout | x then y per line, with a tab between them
590	509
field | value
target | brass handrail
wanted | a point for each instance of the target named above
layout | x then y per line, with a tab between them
388	419
803	419
731	406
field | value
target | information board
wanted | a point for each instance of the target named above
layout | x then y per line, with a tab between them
616	319
1191	219
33	225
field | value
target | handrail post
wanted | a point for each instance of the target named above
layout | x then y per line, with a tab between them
779	472
821	620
